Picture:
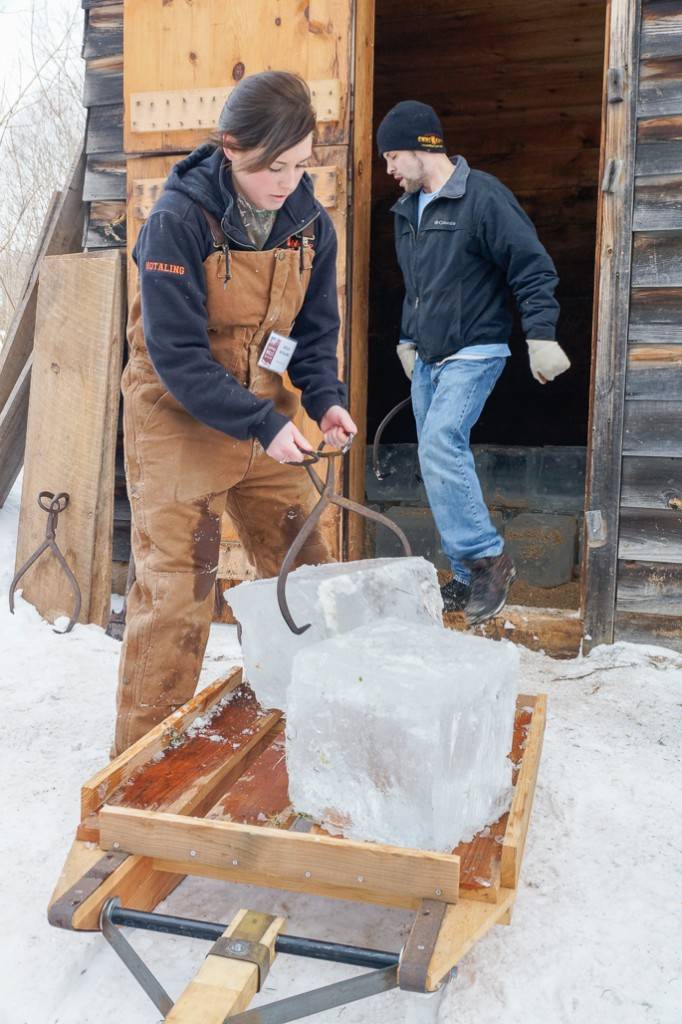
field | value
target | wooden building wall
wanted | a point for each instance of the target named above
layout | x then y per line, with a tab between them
520	91
104	190
633	552
104	187
649	569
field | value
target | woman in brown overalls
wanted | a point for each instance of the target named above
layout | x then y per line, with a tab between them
236	247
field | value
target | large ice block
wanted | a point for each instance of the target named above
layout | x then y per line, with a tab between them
400	734
334	598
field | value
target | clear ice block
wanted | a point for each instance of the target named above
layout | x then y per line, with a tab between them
334	598
400	733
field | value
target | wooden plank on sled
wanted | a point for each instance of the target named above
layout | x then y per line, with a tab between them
327	866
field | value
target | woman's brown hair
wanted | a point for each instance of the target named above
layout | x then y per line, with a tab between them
270	112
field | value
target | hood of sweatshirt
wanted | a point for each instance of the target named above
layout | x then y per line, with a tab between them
205	176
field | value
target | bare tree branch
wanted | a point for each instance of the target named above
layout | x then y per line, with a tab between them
41	124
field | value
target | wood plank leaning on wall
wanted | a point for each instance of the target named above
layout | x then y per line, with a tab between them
73	413
62	233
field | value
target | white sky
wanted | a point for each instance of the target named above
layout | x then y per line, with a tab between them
15	37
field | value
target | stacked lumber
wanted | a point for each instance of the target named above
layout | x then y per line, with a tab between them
72	427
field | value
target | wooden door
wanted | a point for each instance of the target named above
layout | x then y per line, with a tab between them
181	60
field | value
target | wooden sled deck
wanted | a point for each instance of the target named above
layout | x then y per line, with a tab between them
205	793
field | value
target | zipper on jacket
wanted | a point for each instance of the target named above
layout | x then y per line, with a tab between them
252	248
415	235
228	263
289	234
298	231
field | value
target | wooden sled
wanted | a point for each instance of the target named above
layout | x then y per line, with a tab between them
205	793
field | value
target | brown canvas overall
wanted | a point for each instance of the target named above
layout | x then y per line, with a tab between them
182	475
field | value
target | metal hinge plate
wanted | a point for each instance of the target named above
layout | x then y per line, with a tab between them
596	529
243	944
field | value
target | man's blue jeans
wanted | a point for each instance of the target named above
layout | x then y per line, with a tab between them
447	401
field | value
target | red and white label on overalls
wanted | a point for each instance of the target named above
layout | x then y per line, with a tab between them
277	353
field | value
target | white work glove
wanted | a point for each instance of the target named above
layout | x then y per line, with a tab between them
547	359
407	354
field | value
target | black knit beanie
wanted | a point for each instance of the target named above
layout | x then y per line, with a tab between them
410	125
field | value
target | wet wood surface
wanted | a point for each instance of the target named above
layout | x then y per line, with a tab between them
217	750
660	87
639	628
103	81
657	259
249	786
654	372
106	229
658	203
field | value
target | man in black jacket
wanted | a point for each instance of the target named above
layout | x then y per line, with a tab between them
465	247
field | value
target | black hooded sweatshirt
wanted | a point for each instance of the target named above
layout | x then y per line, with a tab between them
170	253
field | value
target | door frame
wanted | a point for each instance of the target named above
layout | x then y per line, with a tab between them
611	312
359	226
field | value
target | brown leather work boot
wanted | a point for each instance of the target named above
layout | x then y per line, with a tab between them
491	579
455	595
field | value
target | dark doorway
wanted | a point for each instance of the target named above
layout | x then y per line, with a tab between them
518	88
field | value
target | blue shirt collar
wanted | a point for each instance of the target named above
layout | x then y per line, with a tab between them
454	188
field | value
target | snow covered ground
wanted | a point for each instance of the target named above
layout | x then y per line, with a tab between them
596	936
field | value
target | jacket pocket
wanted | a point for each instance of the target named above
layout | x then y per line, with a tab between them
441	320
404	247
153	416
182	459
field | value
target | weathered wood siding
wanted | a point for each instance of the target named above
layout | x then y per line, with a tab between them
649	575
104	188
105	175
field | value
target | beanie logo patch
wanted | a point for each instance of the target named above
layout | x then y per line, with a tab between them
430	140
